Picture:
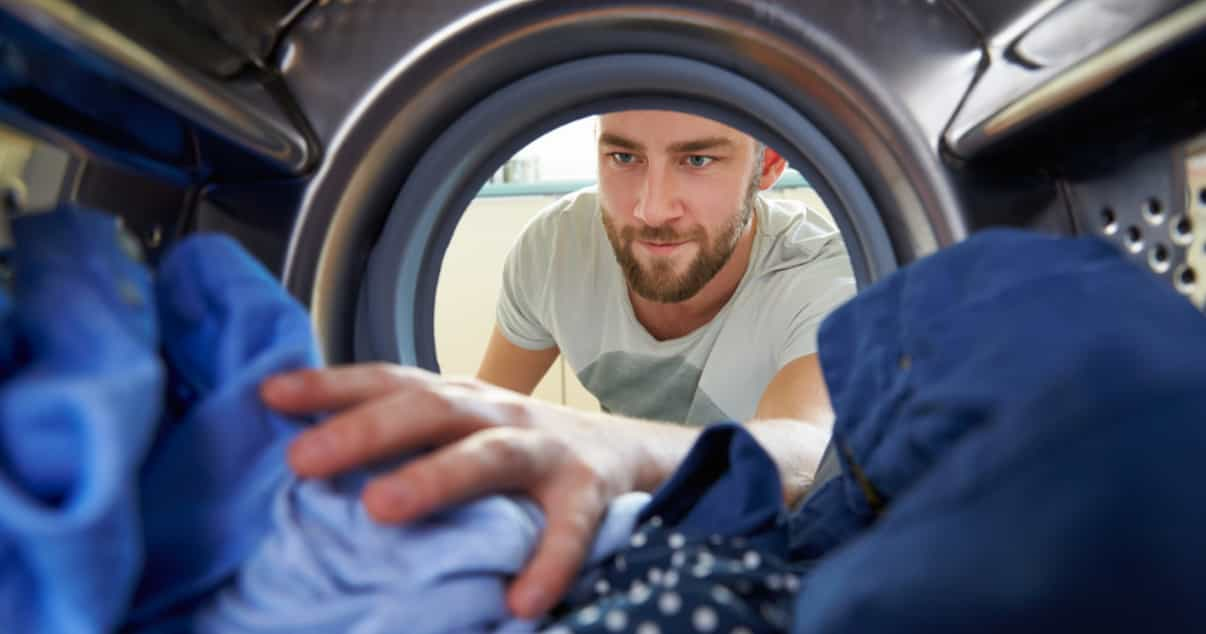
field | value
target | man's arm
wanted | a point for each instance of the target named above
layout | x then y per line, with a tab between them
512	367
489	440
792	423
797	397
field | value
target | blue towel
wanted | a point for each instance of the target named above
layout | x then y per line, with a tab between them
219	456
78	411
114	508
1021	429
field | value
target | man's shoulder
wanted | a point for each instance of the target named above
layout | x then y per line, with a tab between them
560	242
796	219
803	267
796	235
572	214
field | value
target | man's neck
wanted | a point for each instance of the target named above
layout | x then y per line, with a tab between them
671	321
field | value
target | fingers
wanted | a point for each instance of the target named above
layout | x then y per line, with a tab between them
492	461
486	443
383	428
334	389
505	460
574	514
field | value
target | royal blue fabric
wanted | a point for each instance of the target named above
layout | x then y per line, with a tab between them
1021	428
78	410
9	363
114	508
219	456
709	556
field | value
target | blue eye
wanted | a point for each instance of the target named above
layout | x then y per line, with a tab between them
623	158
697	160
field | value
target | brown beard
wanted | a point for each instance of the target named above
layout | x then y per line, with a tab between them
659	283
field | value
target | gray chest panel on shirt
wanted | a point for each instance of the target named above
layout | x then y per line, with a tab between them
650	387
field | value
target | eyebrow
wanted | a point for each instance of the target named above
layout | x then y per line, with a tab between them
608	138
697	145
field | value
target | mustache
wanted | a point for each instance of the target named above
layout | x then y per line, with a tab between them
659	234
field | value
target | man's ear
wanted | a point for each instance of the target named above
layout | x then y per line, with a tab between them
773	165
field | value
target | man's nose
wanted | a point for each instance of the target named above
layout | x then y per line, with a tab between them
658	202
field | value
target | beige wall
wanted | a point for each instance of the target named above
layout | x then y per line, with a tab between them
468	291
471	278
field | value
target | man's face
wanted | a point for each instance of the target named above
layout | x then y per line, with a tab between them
676	193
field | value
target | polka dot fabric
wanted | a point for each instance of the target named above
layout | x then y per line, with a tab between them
709	555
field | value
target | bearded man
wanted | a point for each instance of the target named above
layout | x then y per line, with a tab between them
674	290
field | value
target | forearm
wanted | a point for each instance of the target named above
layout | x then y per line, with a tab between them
796	447
656	449
514	368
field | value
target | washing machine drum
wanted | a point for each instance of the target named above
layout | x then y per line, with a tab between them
340	141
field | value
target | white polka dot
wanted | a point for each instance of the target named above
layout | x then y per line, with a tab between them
774	582
588	615
792	583
721	595
670	579
751	559
602	587
676	540
621	563
741	629
705	558
678	559
655	521
638	593
655	575
648	627
616	620
560	629
704	619
699	572
637	540
669	603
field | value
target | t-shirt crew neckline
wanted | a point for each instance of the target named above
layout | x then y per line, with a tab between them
676	342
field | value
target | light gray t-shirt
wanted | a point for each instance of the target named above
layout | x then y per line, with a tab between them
562	287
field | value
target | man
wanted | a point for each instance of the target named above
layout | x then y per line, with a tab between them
703	259
674	291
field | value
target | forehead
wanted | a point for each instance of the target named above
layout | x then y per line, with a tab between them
662	128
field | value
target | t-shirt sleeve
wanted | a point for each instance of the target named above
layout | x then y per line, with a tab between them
521	299
824	284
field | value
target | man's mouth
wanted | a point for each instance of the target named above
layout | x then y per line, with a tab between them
661	248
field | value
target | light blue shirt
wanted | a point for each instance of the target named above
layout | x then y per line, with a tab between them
327	567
